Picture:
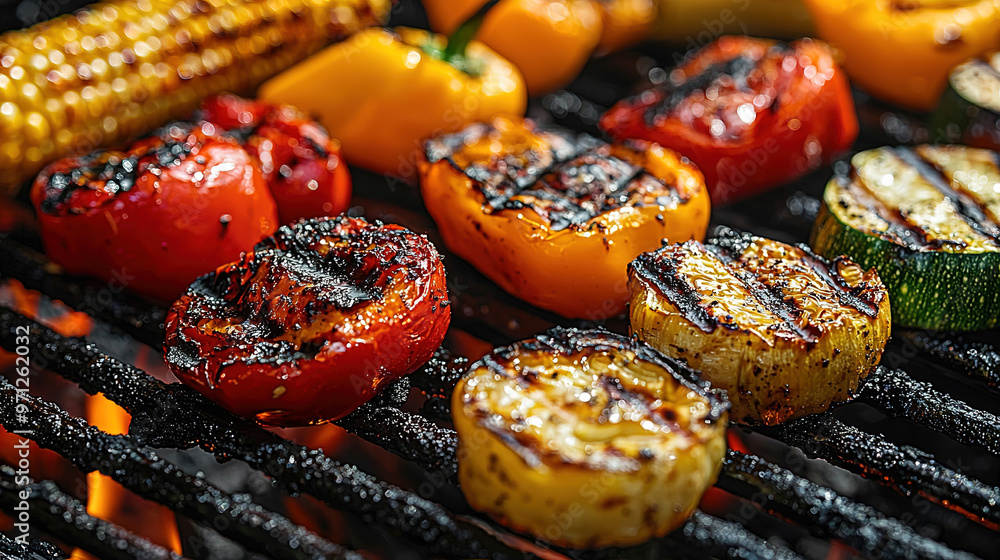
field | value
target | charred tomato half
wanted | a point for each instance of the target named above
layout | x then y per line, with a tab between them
301	164
750	113
153	217
313	322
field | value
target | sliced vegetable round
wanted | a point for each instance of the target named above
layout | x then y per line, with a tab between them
312	323
969	111
927	219
554	218
586	438
783	331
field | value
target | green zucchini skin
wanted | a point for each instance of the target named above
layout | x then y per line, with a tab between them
958	120
941	266
927	289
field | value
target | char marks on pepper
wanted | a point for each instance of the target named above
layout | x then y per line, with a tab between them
568	180
733	73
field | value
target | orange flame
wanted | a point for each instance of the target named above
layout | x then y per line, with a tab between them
45	464
111	501
106	498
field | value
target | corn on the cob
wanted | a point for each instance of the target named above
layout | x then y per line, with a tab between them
120	68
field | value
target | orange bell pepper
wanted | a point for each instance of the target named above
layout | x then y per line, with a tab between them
548	40
554	219
902	52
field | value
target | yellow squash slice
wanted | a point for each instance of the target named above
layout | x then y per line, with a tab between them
586	438
783	331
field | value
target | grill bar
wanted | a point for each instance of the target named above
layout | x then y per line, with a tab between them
726	539
904	469
34	550
108	303
955	351
141	471
61	514
898	394
814	506
175	416
410	436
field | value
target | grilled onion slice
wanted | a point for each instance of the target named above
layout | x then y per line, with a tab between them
783	331
313	323
586	438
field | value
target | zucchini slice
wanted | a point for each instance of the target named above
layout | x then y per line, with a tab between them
969	111
927	219
783	331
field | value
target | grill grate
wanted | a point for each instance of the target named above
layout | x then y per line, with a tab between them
905	469
174	416
61	514
141	471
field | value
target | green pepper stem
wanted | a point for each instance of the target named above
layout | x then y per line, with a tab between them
459	39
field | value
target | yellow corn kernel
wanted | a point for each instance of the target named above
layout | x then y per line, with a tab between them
120	68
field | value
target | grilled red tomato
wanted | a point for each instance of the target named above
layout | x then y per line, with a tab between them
313	322
750	113
301	163
155	216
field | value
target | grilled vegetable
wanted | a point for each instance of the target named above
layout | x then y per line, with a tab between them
155	216
313	322
586	438
625	23
300	162
406	85
548	40
750	113
695	24
927	219
969	111
121	68
554	219
902	51
783	331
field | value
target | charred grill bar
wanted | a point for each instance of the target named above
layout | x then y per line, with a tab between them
122	458
898	394
904	469
61	514
955	351
858	525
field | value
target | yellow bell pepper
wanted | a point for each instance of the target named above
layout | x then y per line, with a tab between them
901	52
548	40
626	22
696	23
382	92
